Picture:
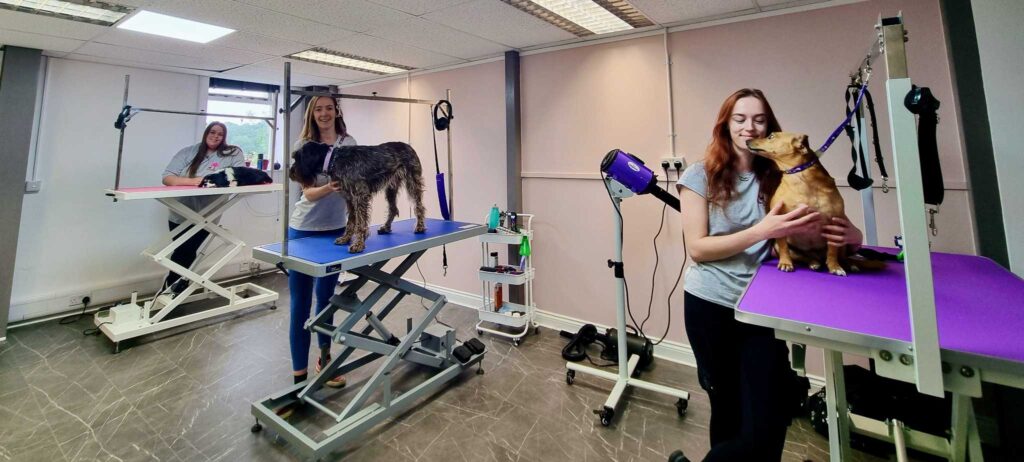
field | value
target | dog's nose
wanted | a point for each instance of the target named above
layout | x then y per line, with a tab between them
748	143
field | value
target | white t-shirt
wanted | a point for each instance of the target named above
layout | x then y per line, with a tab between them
330	212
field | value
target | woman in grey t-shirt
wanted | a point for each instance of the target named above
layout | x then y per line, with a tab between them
187	168
727	232
320	210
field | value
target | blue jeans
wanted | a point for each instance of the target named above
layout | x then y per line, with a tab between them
302	287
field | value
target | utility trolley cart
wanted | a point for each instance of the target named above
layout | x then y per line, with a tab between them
512	315
425	343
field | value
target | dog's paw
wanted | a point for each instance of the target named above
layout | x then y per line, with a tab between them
786	267
420	229
814	266
854	268
357	247
384	230
344	239
838	271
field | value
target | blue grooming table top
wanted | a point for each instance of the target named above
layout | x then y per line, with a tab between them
320	256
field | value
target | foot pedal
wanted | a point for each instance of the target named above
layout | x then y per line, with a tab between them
462	354
475	346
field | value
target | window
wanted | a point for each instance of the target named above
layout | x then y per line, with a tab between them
253	136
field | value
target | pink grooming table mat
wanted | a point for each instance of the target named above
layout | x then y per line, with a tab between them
979	305
157	188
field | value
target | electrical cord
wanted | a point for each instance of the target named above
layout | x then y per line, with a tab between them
75	317
437	317
657	257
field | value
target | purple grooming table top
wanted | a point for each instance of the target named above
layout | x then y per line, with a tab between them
979	305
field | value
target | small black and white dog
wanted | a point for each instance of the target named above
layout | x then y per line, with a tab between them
236	176
361	172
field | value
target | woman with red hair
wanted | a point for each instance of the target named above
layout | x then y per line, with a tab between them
727	231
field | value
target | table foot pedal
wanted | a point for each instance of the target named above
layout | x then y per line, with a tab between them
475	346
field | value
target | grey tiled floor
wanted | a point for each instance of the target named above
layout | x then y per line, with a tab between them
186	397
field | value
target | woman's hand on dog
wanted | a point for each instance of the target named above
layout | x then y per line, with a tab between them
840	232
776	224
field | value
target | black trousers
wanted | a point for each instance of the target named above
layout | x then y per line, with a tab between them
185	254
746	373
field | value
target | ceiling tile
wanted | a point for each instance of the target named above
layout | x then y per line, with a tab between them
500	23
777	4
242	40
149	42
432	36
243	17
373	47
352	15
39	41
136	64
153	57
273	73
674	11
38	24
419	7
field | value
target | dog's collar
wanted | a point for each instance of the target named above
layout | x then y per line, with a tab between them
800	168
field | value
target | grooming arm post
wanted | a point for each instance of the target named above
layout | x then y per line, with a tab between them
910	192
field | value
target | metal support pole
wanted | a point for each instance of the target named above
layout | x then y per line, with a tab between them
120	140
910	192
287	112
451	172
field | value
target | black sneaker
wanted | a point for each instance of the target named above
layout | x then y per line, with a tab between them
179	286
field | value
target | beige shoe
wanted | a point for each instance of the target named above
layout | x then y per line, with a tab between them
336	382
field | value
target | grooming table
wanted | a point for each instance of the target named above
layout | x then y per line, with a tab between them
424	344
980	312
132	320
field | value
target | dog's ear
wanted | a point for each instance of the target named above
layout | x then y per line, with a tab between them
802	144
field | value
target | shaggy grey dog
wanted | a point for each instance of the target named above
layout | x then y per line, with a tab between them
361	172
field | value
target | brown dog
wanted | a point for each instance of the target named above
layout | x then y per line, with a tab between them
804	181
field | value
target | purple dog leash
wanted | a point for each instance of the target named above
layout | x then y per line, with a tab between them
849	116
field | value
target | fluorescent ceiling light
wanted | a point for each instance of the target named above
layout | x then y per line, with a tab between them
92	12
587	14
334	58
585	17
170	26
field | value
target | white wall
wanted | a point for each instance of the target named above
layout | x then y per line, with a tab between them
1001	50
73	239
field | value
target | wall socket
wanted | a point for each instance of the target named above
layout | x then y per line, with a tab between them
249	266
78	300
672	173
33	186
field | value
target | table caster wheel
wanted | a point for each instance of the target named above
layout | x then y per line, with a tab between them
681	406
516	341
479	332
607	414
570	376
256	427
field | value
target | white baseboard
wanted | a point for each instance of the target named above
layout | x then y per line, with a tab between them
668	350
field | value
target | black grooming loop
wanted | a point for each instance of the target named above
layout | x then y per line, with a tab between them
124	117
445	108
863	181
921	102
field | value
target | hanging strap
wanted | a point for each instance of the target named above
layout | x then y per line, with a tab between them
862	181
835	133
920	101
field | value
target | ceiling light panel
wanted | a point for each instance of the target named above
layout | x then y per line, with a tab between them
334	58
585	17
92	12
169	26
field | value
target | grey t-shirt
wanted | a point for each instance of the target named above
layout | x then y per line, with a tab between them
723	281
213	163
330	212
